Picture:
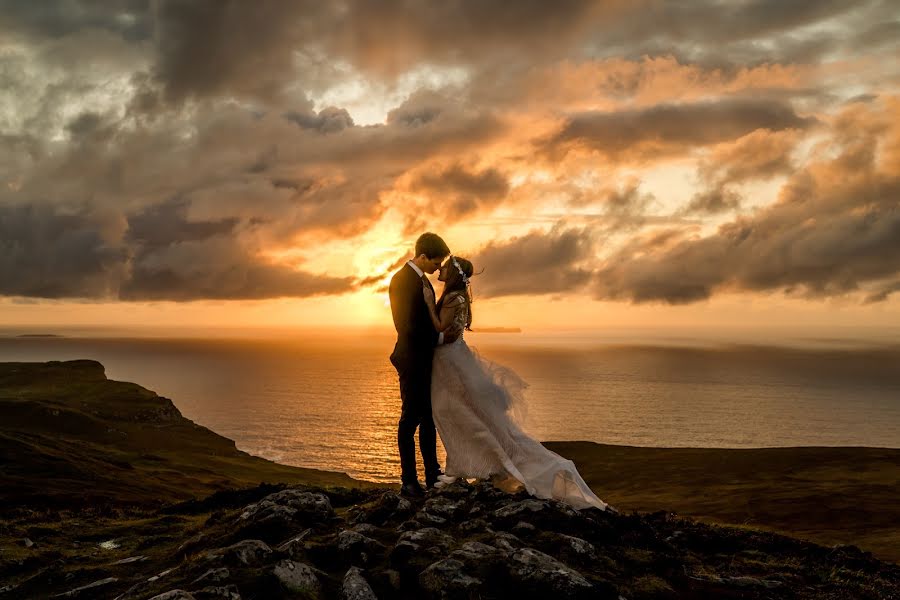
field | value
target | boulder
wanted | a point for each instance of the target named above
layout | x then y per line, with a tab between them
289	507
447	578
541	575
297	577
355	546
213	576
247	553
228	592
355	586
174	595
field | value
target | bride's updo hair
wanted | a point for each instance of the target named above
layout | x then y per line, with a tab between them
459	282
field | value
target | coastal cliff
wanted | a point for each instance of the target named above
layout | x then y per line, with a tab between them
109	492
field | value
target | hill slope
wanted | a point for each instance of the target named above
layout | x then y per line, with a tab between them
69	435
828	495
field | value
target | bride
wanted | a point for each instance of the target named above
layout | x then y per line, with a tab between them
477	407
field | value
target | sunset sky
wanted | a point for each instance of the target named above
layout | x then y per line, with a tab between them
644	163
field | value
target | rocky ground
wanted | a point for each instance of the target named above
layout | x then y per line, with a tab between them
466	541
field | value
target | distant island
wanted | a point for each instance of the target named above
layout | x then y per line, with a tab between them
40	335
497	330
109	492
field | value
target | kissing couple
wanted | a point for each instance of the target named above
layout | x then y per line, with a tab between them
446	387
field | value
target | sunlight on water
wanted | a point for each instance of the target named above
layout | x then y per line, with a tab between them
334	403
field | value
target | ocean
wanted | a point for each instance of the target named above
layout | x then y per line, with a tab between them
331	401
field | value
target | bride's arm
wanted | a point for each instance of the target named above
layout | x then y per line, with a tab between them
432	309
444	321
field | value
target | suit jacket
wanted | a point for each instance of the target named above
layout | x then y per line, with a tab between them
416	335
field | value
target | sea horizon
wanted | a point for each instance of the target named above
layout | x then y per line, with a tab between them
332	402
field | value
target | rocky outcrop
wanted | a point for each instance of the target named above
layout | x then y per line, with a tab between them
465	541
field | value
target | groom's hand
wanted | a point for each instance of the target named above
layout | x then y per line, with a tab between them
450	337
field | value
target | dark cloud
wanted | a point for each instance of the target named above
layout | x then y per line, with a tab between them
456	191
229	47
195	271
130	19
155	150
327	120
834	230
57	252
668	129
165	224
534	264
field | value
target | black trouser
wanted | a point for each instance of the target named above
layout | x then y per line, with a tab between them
415	393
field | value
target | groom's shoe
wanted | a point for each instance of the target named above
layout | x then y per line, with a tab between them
412	490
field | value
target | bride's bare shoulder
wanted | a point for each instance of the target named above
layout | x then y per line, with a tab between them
455	299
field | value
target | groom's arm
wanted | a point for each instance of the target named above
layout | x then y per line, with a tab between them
401	305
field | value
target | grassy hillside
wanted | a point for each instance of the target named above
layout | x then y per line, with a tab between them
69	435
827	495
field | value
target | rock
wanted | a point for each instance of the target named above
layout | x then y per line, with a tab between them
427	537
389	506
130	559
542	513
543	575
482	561
477	552
247	552
161	574
288	507
297	577
355	546
417	546
355	586
213	576
523	528
750	582
507	541
522	507
228	592
578	546
91	586
443	507
191	545
391	579
411	525
364	528
474	525
448	578
174	595
430	520
295	547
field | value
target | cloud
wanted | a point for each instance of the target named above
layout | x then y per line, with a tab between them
536	263
834	230
453	192
52	252
219	268
668	130
762	154
169	149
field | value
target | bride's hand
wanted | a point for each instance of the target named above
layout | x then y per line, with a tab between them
429	296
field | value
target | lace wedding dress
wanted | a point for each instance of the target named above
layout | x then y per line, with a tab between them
477	407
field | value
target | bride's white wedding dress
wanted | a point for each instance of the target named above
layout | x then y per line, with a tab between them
477	407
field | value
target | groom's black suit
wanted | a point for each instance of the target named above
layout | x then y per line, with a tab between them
412	356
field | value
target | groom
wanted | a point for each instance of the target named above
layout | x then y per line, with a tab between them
412	356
